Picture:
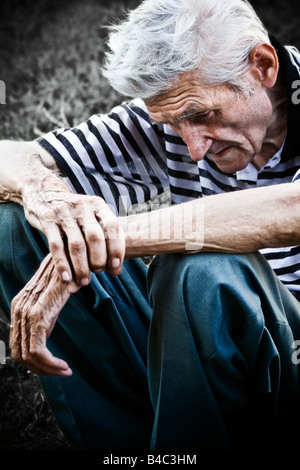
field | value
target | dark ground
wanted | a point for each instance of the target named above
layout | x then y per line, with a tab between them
50	53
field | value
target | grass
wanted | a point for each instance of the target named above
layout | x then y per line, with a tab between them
51	53
50	56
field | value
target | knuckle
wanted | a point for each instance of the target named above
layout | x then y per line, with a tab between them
48	215
55	245
98	266
34	351
92	230
76	247
25	355
59	261
94	238
82	273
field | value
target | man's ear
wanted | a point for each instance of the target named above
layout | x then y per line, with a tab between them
264	64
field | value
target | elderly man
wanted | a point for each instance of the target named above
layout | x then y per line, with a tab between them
201	351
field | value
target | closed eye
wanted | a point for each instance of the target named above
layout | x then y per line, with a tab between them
195	117
201	117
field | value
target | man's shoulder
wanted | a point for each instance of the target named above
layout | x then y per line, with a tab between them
294	55
135	104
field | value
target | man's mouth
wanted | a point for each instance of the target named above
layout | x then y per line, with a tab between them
219	153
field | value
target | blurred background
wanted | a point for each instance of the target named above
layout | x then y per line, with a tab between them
50	60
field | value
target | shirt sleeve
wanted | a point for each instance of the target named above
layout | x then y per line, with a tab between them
119	156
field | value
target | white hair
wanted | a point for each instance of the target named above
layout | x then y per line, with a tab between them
161	39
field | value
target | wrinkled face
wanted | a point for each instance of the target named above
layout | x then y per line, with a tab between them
215	121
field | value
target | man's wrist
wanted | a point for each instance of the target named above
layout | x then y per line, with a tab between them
38	178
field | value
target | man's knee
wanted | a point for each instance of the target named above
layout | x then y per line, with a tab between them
202	272
206	291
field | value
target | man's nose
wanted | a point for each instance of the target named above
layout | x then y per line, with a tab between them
197	144
198	147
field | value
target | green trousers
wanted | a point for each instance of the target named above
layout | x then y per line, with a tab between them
194	354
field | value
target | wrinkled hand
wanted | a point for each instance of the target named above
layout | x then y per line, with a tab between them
83	233
33	315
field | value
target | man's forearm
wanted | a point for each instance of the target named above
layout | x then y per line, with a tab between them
237	222
21	163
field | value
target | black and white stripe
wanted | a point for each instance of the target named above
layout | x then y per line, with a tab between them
118	156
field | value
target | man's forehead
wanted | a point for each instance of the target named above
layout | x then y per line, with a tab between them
186	97
187	83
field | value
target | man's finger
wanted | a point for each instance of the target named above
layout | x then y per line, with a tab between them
78	255
40	358
115	242
44	363
58	250
25	338
15	330
96	245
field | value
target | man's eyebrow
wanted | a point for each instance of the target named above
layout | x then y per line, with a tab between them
190	112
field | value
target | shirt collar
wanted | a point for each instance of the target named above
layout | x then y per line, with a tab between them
250	173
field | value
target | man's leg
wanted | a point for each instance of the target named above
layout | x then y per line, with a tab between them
220	353
102	334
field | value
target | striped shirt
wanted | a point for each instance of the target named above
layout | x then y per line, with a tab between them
127	160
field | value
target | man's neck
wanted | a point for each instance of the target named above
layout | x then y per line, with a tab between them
277	128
